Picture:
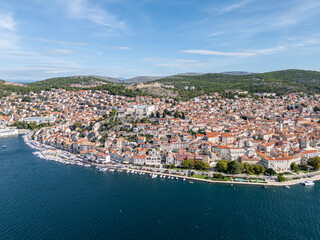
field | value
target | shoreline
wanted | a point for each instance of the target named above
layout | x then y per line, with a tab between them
67	158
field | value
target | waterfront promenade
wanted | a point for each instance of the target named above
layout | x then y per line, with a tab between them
58	155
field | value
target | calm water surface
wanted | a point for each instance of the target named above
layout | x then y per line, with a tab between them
47	200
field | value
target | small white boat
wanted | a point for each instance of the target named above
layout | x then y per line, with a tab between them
287	186
4	146
308	183
190	182
184	179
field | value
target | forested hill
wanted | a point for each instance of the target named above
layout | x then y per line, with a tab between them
76	81
70	83
280	82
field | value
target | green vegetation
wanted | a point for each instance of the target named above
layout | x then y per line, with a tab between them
188	163
314	162
201	176
220	177
270	172
222	166
31	125
294	167
69	83
201	165
279	82
234	167
281	178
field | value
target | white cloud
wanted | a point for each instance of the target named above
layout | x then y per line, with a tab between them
235	6
81	9
299	13
8	38
7	22
250	53
59	42
123	48
61	52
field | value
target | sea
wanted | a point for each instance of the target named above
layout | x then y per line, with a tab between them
41	199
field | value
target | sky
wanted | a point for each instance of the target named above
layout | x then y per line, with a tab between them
41	39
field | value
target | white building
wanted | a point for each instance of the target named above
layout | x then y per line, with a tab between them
5	132
141	110
153	157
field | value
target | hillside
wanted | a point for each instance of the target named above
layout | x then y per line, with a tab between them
75	81
141	79
108	79
279	82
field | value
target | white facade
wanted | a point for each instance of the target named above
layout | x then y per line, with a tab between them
8	132
153	158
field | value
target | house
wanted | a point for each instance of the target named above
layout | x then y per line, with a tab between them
170	158
153	157
139	159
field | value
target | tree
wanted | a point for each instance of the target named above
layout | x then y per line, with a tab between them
270	172
234	167
201	165
245	167
176	114
218	175
316	109
164	114
294	166
222	165
281	178
258	169
304	167
188	163
314	162
157	114
251	170
152	115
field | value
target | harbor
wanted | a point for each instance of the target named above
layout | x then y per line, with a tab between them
56	199
52	154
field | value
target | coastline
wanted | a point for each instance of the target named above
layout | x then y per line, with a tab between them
65	157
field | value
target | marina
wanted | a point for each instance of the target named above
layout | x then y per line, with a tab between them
56	197
52	154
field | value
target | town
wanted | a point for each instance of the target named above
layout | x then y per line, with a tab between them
276	132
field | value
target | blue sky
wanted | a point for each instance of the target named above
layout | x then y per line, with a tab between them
40	39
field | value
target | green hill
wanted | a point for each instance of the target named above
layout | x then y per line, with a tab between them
70	83
63	82
280	82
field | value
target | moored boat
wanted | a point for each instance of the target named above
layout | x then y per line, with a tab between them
307	183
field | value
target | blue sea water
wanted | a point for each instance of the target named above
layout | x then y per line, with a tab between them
40	199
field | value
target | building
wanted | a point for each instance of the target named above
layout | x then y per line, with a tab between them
154	158
141	110
5	132
39	120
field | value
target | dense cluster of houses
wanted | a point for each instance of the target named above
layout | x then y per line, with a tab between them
272	130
